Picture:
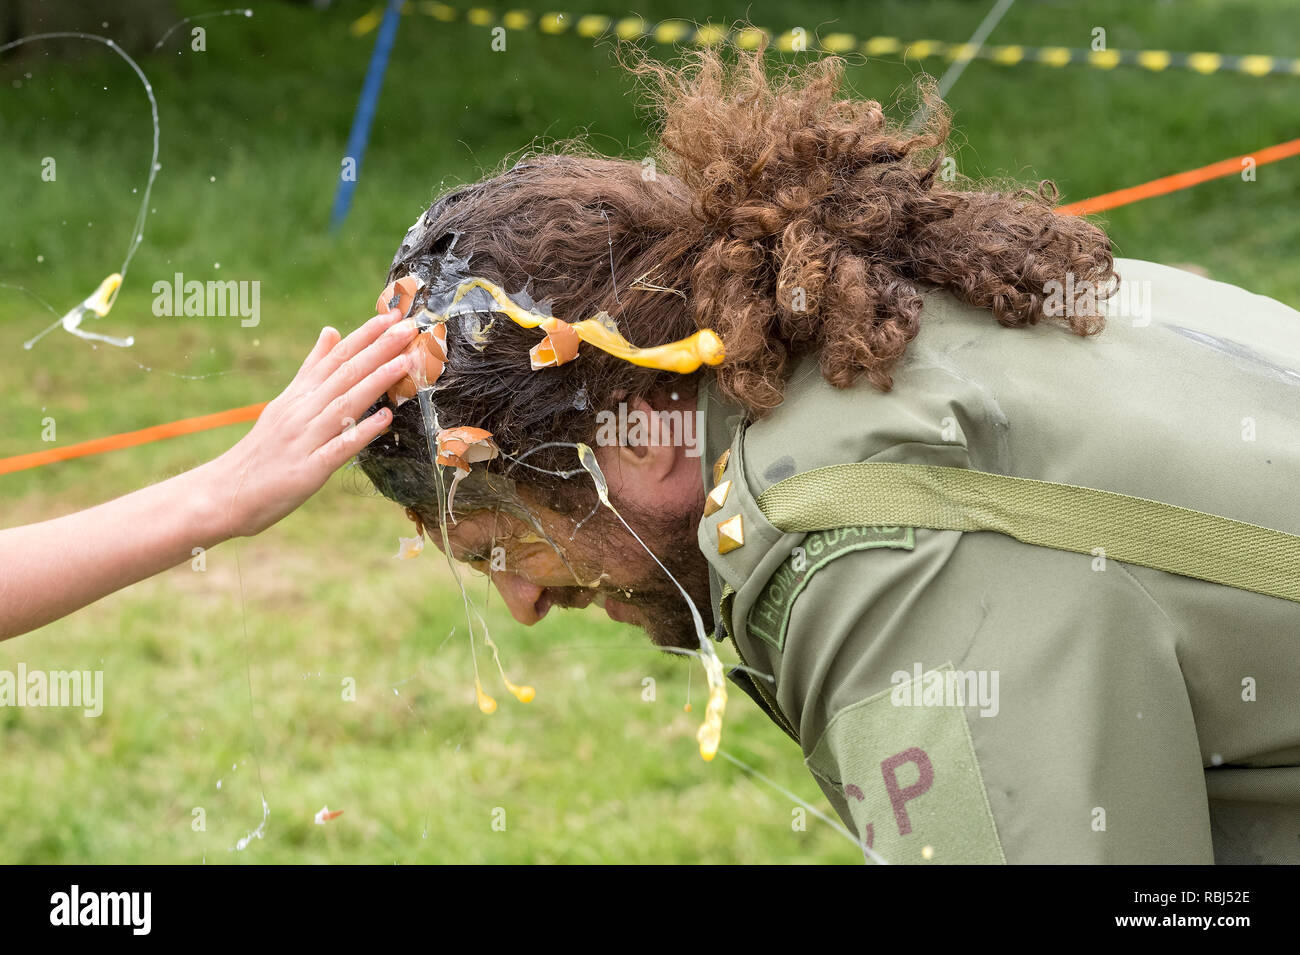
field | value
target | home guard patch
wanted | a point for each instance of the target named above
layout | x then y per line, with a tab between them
771	614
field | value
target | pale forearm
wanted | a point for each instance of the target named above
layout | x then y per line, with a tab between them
307	432
55	567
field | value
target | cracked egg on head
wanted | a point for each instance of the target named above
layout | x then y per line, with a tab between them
538	516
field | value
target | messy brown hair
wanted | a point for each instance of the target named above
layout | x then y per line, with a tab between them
787	215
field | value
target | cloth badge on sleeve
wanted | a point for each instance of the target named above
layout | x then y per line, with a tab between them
908	773
770	615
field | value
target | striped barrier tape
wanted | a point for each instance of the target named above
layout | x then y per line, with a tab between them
685	33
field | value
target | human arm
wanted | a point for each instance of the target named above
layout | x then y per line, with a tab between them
51	568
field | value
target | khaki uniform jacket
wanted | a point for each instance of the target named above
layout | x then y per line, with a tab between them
965	697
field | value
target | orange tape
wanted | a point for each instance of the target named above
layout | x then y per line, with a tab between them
129	439
1182	180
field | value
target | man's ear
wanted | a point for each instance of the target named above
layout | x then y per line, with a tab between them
647	453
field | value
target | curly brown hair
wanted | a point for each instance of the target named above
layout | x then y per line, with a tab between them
796	188
783	214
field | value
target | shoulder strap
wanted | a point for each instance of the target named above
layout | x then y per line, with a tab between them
1132	530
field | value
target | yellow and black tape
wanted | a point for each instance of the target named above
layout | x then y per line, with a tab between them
685	33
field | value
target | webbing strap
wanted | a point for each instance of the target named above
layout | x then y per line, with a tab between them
1133	530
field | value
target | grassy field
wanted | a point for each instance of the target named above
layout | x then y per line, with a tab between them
224	686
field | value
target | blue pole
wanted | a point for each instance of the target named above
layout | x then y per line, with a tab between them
349	172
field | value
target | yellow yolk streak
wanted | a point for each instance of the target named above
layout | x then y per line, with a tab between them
710	732
524	694
485	702
103	297
681	357
516	312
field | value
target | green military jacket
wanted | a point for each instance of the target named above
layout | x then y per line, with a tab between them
965	697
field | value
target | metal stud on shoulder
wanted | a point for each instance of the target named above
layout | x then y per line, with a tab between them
731	534
717	498
720	465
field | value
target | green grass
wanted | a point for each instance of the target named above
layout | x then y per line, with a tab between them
205	671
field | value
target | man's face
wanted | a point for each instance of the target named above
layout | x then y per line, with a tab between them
592	559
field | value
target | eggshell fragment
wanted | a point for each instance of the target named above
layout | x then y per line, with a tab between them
399	295
461	447
428	356
558	347
409	547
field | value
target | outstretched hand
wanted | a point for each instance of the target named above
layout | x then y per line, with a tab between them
312	428
54	567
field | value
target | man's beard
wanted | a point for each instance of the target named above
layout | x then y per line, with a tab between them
665	615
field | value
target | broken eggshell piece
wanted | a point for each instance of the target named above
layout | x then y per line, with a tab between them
459	448
558	347
411	547
399	295
427	355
